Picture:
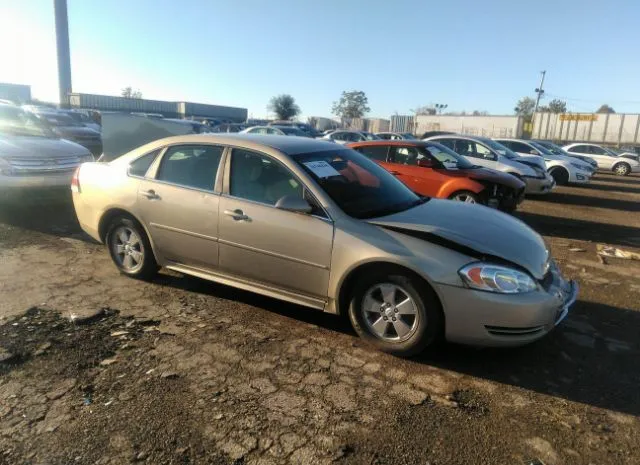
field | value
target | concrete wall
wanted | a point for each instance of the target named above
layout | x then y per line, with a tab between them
487	126
605	128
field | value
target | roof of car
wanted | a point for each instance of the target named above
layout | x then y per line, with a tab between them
411	142
290	145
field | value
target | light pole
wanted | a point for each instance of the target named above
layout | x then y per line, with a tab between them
62	45
539	91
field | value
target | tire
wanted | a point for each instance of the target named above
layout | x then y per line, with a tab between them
465	196
422	315
130	248
560	175
622	169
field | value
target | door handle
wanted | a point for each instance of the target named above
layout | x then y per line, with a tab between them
236	214
395	173
151	194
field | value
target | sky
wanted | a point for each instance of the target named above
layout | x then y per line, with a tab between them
468	54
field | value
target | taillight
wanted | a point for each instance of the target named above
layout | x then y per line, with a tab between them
75	181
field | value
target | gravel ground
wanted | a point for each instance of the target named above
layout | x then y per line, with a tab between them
96	368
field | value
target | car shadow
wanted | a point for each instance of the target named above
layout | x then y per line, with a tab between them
611	177
591	358
623	188
573	199
574	362
581	229
51	214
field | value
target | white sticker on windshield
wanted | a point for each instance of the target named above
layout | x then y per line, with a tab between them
322	169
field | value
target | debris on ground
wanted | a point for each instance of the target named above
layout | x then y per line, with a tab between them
615	252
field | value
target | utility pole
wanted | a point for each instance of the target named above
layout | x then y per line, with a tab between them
539	91
62	43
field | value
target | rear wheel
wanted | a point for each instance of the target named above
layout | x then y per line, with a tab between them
396	312
465	196
560	175
622	169
130	248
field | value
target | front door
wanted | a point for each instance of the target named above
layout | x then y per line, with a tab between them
424	181
180	206
287	250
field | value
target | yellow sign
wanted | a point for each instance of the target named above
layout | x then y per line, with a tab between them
578	117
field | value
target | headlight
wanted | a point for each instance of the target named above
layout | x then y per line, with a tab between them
497	278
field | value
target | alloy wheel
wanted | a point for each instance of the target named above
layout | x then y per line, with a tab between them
128	249
390	312
466	198
622	169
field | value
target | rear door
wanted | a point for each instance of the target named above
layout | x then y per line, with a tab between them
605	159
179	204
585	151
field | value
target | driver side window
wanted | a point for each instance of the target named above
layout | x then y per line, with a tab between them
404	155
597	150
482	151
260	178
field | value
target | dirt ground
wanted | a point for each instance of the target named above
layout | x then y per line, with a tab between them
96	368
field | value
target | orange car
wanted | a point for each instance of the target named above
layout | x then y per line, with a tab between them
433	170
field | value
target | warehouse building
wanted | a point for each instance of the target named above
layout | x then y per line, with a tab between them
165	108
17	93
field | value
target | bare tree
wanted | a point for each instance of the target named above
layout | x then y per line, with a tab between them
525	107
128	92
424	110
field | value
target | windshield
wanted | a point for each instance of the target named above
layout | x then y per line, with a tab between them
447	157
553	148
290	131
59	119
360	187
16	121
612	152
369	136
543	149
498	147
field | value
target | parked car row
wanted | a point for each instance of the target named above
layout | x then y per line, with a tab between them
32	155
325	226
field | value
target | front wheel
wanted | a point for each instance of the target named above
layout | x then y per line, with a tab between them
465	196
130	248
396	313
622	169
560	175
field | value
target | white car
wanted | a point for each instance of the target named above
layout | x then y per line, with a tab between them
346	137
490	154
607	159
561	168
263	130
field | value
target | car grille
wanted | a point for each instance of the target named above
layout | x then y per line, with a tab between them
513	332
30	166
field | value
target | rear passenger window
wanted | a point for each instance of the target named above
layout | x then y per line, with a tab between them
375	152
191	166
140	166
447	143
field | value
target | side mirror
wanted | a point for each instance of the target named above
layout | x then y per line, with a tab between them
425	163
293	204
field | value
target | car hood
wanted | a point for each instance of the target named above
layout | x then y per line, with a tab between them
498	177
37	147
522	168
474	230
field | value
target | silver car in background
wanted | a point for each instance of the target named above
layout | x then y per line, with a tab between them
607	159
32	156
490	154
321	225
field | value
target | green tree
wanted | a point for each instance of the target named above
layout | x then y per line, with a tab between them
128	92
605	109
352	104
284	106
525	107
424	110
554	106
